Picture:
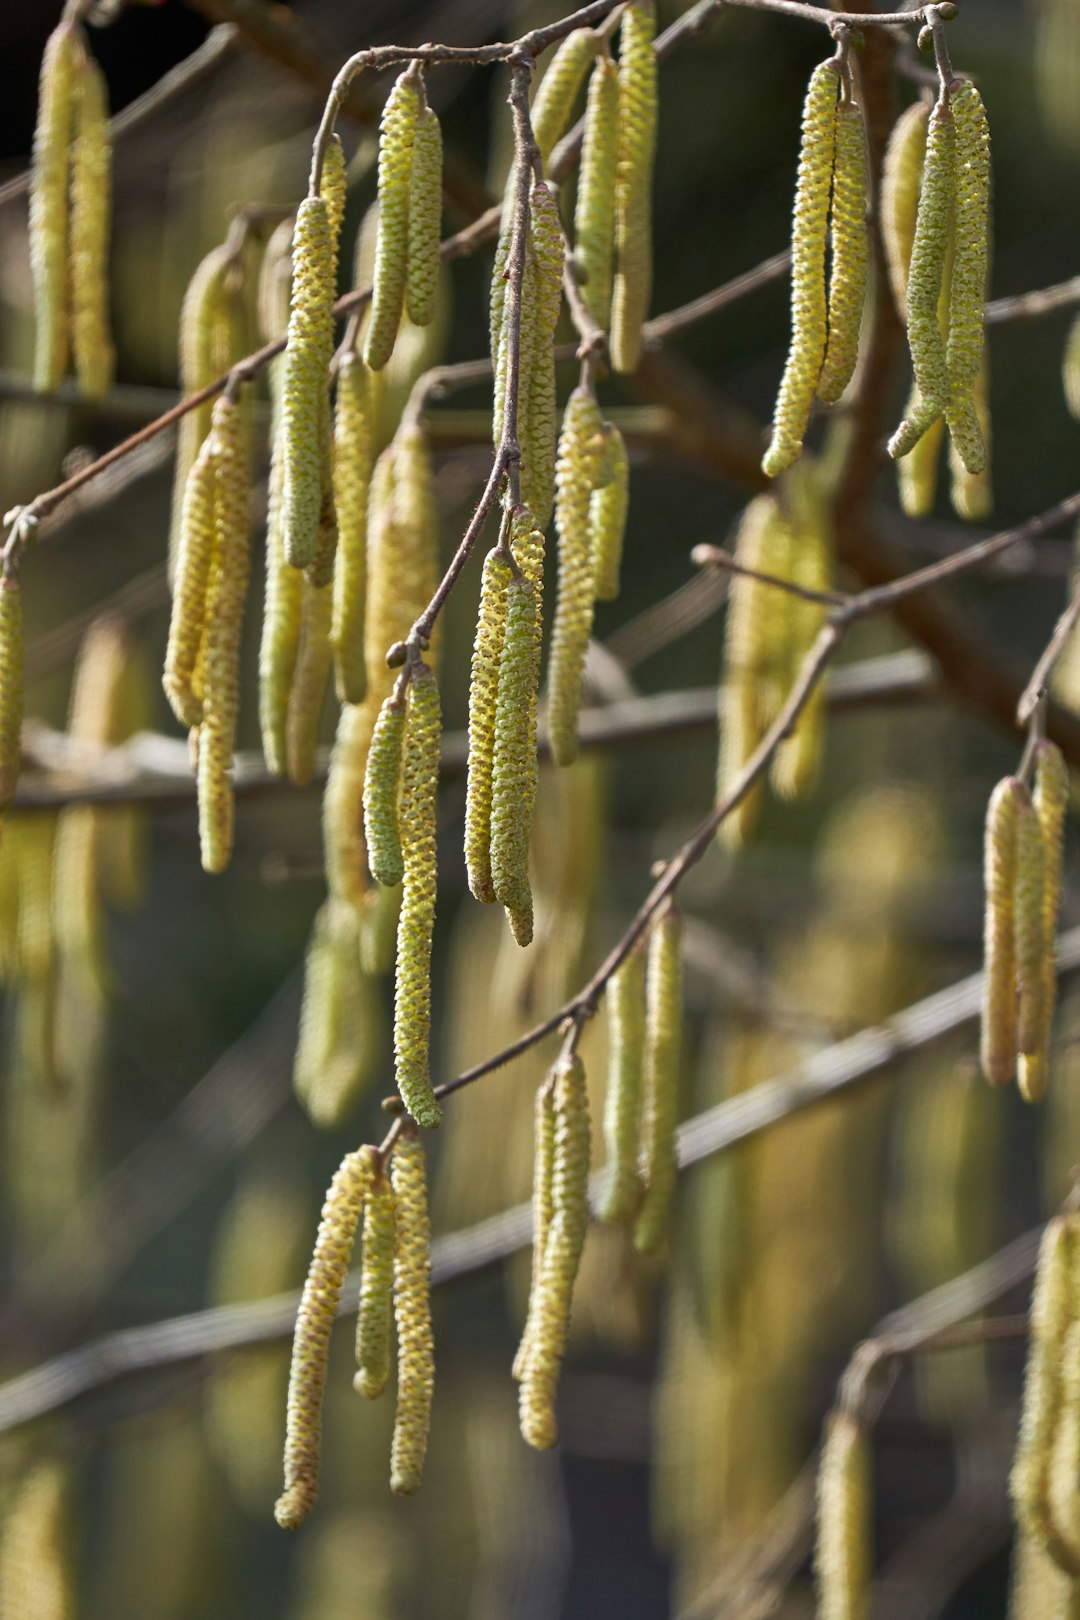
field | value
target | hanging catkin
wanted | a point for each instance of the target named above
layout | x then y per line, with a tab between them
187	624
843	1560
339	1051
543	1191
353	449
91	218
11	685
594	213
307	358
1031	941
608	505
559	88
633	188
625	1003
396	137
412	1315
999	932
537	404
901	179
575	473
202	353
412	995
932	237
344	848
382	780
809	310
49	204
38	1580
483	689
964	351
1050	798
311	1339
376	1284
514	766
425	217
749	687
850	253
972	493
309	679
280	641
660	1082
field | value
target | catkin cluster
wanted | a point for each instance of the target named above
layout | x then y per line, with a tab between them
406	271
1023	848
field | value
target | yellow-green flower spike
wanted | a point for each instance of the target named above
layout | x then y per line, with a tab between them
594	212
425	219
344	849
972	493
396	135
1050	798
353	450
340	1046
560	87
91	219
514	769
543	292
412	1315
376	1286
187	624
310	676
796	763
625	1002
553	1289
575	473
844	1559
663	1039
49	204
311	1339
202	354
850	253
282	601
412	994
333	186
1032	944
999	932
543	1193
933	234
307	359
916	473
38	1579
806	351
483	689
527	545
964	352
320	570
901	179
11	685
633	188
608	507
382	780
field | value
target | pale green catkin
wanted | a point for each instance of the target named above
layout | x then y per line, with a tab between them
560	87
344	848
396	138
412	996
280	641
660	1104
49	204
202	353
625	1003
425	218
514	767
91	220
1050	798
850	253
307	359
310	676
972	493
594	212
382	781
353	453
809	307
1031	941
319	572
633	190
608	506
901	179
933	234
339	1050
542	1203
11	685
999	932
187	622
543	292
964	350
575	472
376	1286
483	690
843	1560
916	473
412	1314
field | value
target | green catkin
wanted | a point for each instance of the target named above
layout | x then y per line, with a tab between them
339	1049
307	359
412	996
202	352
625	1001
998	1045
594	213
320	570
1070	368
311	1339
483	690
797	761
964	352
333	189
971	493
425	218
412	1315
308	689
342	808
1031	940
542	1203
843	1560
378	931
553	1286
1050	799
376	1286
353	449
514	767
91	217
280	641
187	624
575	471
49	204
901	178
917	471
396	137
933	234
633	185
850	253
660	1083
608	506
543	292
11	685
560	87
382	780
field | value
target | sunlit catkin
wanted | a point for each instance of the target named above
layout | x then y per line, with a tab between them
809	308
514	767
376	1285
91	218
37	1579
625	1003
311	1338
483	690
594	212
932	237
382	780
537	405
901	178
1050	798
425	216
633	186
412	996
660	1103
850	253
396	139
1031	941
353	451
11	684
307	358
964	351
575	471
559	88
999	932
553	1288
344	849
307	691
608	505
202	353
187	623
412	1316
543	1192
49	204
843	1560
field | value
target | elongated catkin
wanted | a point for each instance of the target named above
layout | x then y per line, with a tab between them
850	253
382	781
91	220
633	187
425	217
901	179
559	88
307	358
11	685
543	1191
1030	912
514	765
412	1314
376	1285
202	353
49	204
344	848
280	640
311	1339
608	506
311	673
575	472
340	1046
625	1003
964	350
932	237
999	936
594	212
1050	798
412	995
353	450
396	138
660	1104
483	692
537	403
843	1560
187	623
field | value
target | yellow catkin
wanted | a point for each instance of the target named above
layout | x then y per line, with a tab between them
376	1287
575	472
342	808
560	87
633	186
202	353
542	1202
537	407
311	1339
49	204
412	995
382	781
280	641
378	931
320	570
797	762
850	253
969	272
843	1561
353	449
1032	945
396	137
514	767
187	624
340	1046
412	1316
594	213
11	685
608	507
37	1578
225	610
998	1046
972	493
553	1287
901	179
425	218
933	234
806	351
625	1002
310	676
660	1102
91	218
402	550
307	358
483	689
1050	798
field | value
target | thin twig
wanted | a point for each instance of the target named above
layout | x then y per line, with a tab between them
1036	687
1029	305
710	556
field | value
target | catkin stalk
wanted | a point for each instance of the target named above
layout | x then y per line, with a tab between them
483	690
663	1035
514	765
998	1047
396	138
633	186
843	1560
575	472
376	1285
625	1001
49	204
850	253
91	219
412	1314
594	213
382	780
412	996
425	217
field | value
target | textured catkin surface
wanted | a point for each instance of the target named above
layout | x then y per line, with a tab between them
1032	945
850	253
575	469
353	455
964	351
901	179
307	357
633	193
91	219
542	1203
536	431
376	1288
660	1111
382	780
412	997
844	1554
999	932
49	205
483	690
425	217
514	767
396	136
560	87
187	624
926	339
412	1314
594	212
11	684
608	508
625	1004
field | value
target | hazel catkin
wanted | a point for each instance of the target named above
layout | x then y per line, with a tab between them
608	506
594	213
928	255
964	350
376	1286
307	358
382	780
483	692
901	178
425	216
999	937
625	1003
633	183
412	995
575	471
542	301
1030	914
843	1559
11	685
412	1314
353	447
310	674
850	253
1050	799
49	204
187	622
514	765
542	1201
396	138
660	1081
91	218
559	88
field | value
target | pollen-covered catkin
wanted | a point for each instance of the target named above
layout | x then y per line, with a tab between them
376	1285
382	781
396	138
608	505
809	307
425	216
187	623
660	1103
850	253
483	690
594	212
633	185
91	219
11	685
310	675
901	179
999	932
575	472
514	767
307	359
412	1315
625	1002
412	995
933	233
542	1202
353	450
282	603
543	297
311	1339
1031	940
559	88
964	351
1050	798
49	204
972	493
203	350
843	1560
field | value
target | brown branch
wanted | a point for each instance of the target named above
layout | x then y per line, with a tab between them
1041	301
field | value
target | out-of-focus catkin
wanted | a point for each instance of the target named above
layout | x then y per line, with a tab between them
396	140
310	675
850	253
376	1286
194	558
412	996
901	179
382	782
1030	912
49	204
307	359
999	932
203	351
933	234
340	1048
514	765
425	217
594	213
353	450
37	1578
633	185
608	505
91	219
843	1560
483	691
660	1083
625	1003
412	1315
11	685
1050	799
575	473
